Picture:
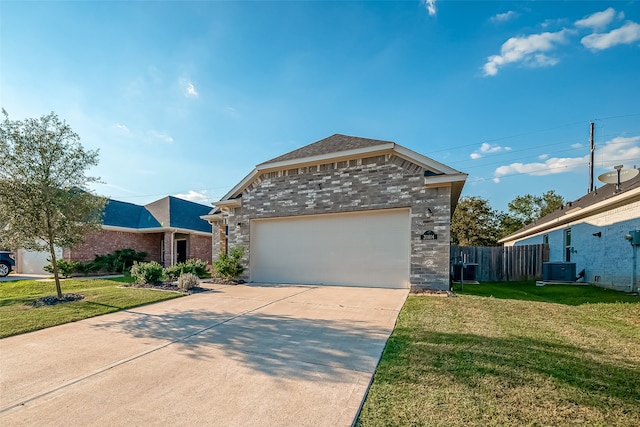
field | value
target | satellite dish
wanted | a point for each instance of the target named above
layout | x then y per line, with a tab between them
624	174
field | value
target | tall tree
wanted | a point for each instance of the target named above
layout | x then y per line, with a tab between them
523	210
44	198
474	223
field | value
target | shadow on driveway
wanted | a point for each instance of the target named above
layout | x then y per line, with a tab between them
268	343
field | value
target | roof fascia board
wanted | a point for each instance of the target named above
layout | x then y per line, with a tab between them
154	230
241	185
212	218
229	203
424	161
336	156
444	180
575	214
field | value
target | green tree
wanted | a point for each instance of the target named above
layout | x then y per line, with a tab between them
474	223
44	199
523	210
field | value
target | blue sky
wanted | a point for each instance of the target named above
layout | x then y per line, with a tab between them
185	98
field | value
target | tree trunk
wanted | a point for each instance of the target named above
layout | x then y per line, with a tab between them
54	264
54	261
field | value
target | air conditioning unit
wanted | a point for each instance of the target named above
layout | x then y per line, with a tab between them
559	271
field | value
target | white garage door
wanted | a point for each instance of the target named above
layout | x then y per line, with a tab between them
351	249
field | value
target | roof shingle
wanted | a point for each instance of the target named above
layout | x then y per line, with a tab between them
601	194
333	144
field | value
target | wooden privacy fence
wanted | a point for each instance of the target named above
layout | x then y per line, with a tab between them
503	263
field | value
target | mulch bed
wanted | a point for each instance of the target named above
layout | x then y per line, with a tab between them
170	287
53	300
173	287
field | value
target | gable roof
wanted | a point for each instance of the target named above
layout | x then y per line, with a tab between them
168	212
333	144
340	147
602	199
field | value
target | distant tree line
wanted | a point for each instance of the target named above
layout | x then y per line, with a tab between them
475	223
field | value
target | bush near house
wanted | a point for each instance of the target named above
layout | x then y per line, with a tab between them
66	268
147	272
188	281
119	261
228	266
196	267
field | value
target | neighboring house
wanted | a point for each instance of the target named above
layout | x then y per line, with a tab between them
343	211
591	232
169	230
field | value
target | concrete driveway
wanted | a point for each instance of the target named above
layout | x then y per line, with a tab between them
235	356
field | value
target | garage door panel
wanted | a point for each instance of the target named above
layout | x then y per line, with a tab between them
360	249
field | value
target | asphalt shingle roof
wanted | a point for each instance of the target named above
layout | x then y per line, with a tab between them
167	212
601	194
333	144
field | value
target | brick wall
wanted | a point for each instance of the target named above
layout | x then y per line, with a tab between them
199	247
371	183
105	241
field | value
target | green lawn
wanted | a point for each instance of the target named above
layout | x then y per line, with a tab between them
511	354
101	296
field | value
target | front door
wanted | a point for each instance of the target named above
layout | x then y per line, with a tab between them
181	250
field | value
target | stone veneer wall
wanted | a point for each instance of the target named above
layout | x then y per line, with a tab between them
372	183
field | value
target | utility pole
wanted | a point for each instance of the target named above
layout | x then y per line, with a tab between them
592	149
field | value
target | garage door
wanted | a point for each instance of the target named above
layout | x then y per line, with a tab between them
351	249
33	262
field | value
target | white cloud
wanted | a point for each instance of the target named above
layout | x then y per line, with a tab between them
122	128
529	50
160	136
597	20
487	148
576	145
611	153
543	156
194	196
504	17
628	33
431	6
191	91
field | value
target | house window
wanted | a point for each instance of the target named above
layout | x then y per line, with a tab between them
567	245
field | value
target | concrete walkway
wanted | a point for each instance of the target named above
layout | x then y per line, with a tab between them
235	356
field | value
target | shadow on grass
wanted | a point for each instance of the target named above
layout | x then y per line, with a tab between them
474	361
277	345
558	294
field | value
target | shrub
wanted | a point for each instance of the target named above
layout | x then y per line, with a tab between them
197	267
188	281
193	266
87	267
118	261
228	266
173	272
64	267
147	272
